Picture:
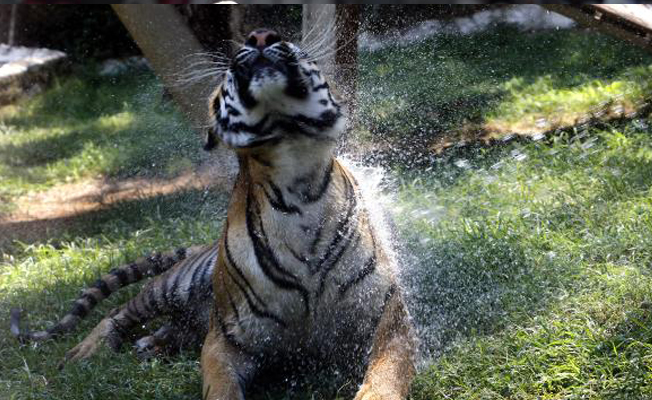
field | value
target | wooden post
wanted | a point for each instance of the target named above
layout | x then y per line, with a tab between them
338	26
167	42
630	22
346	56
319	24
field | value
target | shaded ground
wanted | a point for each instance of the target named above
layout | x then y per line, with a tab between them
39	216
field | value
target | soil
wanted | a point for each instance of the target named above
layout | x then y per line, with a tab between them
41	215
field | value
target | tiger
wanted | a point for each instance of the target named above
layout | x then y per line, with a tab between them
299	271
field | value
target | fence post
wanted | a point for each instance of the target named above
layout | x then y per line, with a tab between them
340	25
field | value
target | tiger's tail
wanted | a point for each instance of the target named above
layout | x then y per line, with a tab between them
103	288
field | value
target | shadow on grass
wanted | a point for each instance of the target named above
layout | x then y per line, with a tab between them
117	222
44	150
89	125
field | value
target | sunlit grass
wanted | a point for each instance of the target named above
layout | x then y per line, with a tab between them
538	256
91	126
541	106
498	82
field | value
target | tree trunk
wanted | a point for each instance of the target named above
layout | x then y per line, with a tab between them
167	42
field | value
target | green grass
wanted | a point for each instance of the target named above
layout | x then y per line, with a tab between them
528	263
496	82
537	258
45	278
87	126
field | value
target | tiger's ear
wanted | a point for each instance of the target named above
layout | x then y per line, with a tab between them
211	139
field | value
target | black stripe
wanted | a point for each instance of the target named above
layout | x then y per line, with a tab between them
242	86
147	308
90	299
207	275
151	303
239	127
121	274
163	295
156	264
266	258
132	310
343	233
232	111
310	71
369	267
195	264
216	101
325	120
79	310
104	288
320	87
232	304
172	298
226	94
279	204
181	253
295	86
328	267
138	275
344	222
262	248
234	266
307	197
143	312
252	306
193	279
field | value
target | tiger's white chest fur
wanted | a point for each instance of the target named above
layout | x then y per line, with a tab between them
314	276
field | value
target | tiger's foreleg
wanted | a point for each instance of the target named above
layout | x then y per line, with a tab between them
391	365
225	368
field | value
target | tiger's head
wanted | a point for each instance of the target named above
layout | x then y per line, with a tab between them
271	94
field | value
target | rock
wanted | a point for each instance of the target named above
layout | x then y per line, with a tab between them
114	66
25	70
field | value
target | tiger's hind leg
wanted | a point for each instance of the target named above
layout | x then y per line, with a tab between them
391	366
106	331
169	339
164	340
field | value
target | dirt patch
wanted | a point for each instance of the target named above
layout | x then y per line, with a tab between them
41	215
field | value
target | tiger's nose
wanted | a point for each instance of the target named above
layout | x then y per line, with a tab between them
262	38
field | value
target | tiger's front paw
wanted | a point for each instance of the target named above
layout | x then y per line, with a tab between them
367	392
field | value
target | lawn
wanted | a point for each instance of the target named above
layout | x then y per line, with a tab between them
527	262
